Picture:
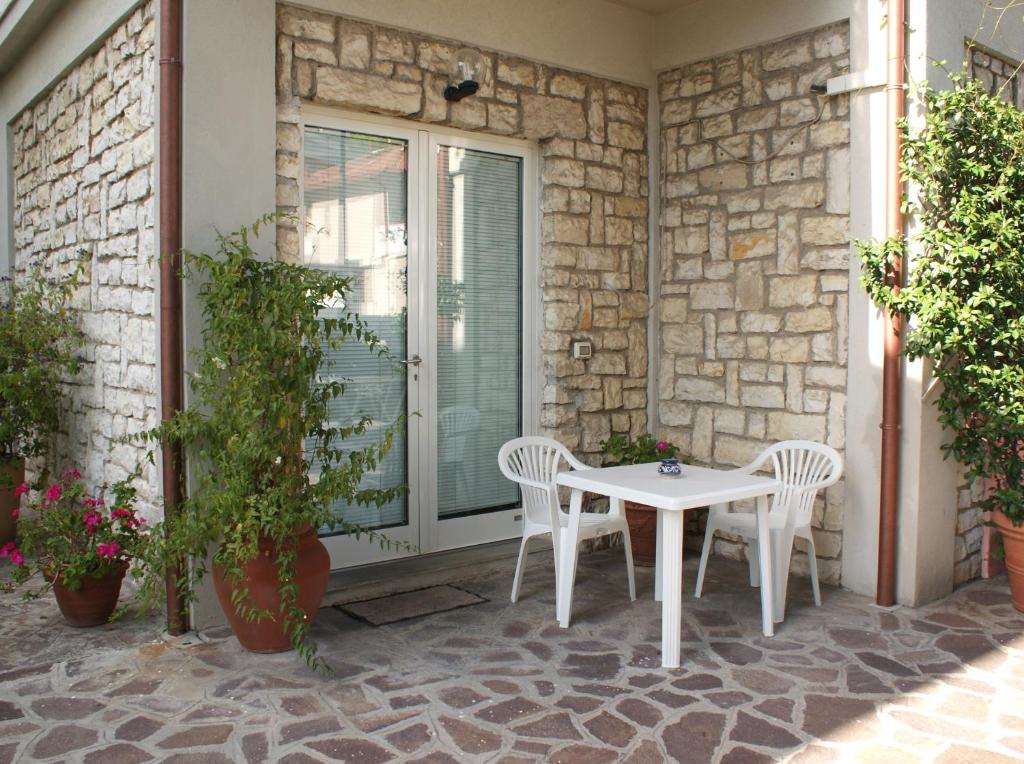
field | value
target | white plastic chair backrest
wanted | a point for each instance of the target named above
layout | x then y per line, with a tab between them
455	425
804	468
533	462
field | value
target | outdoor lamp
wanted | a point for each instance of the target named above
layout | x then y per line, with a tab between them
462	79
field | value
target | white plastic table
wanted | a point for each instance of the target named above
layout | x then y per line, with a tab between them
698	487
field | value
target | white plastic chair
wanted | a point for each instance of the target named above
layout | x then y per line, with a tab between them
804	468
533	463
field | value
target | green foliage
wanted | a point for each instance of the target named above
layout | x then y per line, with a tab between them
964	294
69	534
267	460
39	339
640	451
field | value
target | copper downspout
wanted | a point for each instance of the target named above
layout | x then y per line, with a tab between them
171	367
895	102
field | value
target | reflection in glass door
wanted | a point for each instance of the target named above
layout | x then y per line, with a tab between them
433	231
479	319
357	223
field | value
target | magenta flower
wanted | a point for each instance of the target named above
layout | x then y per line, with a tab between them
108	551
23	488
119	514
71	474
17	557
15	513
53	492
93	502
6	549
662	445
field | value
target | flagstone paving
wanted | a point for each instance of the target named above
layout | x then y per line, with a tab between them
499	682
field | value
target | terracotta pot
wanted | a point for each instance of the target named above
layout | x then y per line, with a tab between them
12	474
93	602
643	533
1013	547
312	567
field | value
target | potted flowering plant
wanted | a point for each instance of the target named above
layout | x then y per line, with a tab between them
269	459
81	546
642	519
39	339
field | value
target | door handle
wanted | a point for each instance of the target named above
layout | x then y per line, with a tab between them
414	361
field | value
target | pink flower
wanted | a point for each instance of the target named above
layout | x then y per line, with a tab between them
662	445
91	519
15	513
6	549
23	488
108	551
53	492
118	514
71	474
17	557
93	502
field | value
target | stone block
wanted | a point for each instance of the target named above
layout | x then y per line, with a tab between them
552	117
712	295
811	319
787	426
825	229
297	22
367	91
791	291
752	244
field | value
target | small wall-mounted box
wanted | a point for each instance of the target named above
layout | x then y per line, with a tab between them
582	350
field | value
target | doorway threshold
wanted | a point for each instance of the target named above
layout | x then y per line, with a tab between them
396	576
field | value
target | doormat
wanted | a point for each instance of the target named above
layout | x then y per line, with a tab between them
408	605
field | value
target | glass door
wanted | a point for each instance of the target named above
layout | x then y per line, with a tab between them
434	231
358	224
477	244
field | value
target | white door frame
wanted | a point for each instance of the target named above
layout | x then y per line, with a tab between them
425	530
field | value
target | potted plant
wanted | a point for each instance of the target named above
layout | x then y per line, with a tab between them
39	339
80	546
964	295
267	460
642	519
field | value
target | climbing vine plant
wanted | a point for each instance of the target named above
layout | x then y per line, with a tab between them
964	292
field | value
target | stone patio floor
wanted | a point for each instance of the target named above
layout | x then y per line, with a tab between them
499	682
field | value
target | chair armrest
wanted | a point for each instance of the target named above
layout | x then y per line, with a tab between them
534	484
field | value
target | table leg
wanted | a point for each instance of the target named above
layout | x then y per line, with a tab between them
659	558
764	552
566	559
671	555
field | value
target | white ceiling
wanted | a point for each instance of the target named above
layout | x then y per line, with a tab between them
653	7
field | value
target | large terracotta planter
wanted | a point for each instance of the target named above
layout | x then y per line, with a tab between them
643	533
93	602
1013	547
12	474
312	568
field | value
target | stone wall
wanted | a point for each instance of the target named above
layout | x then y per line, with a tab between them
83	171
591	134
999	74
754	257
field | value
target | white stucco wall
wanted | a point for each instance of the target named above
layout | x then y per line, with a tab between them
229	128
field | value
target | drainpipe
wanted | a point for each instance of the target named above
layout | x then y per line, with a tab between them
892	369
171	366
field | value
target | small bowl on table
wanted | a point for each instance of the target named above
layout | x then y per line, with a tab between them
670	468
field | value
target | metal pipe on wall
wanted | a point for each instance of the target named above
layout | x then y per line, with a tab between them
892	365
171	353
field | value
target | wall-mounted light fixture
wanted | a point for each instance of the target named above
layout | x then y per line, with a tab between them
463	79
